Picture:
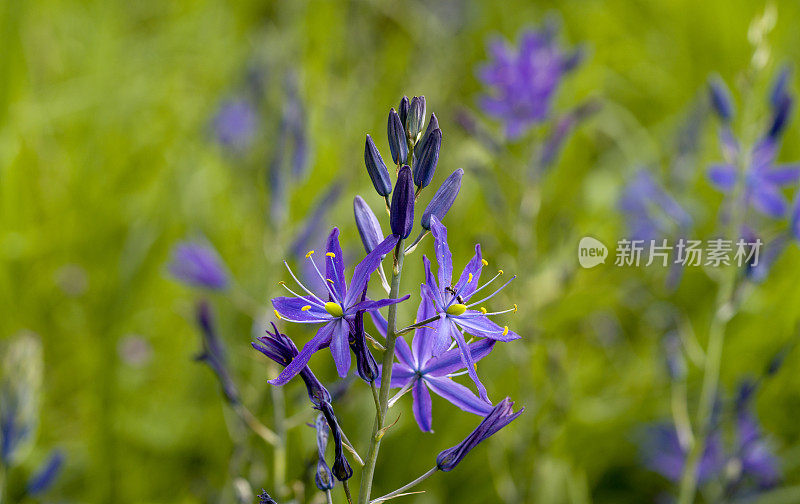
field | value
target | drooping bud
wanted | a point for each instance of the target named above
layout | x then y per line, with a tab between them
402	109
780	87
397	138
433	124
377	168
369	228
416	118
365	362
425	164
341	468
720	98
781	117
402	209
443	199
324	477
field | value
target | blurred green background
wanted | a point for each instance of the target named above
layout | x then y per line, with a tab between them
107	160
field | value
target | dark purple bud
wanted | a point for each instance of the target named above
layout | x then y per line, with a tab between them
397	139
47	474
264	498
341	468
402	210
443	199
416	118
777	360
425	164
402	109
433	125
499	417
377	168
214	354
324	477
781	116
780	87
365	362
720	98
368	226
281	349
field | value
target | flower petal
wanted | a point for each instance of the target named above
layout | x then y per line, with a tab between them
320	340
783	174
340	347
468	282
422	406
365	268
768	200
430	282
424	337
441	338
381	324
401	374
723	176
443	255
370	305
404	352
479	325
334	266
458	394
450	361
469	363
291	308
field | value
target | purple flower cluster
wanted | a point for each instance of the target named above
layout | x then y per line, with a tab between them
523	80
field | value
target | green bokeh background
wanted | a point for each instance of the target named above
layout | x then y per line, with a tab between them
106	161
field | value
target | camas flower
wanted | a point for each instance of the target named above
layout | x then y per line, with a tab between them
523	80
235	124
758	463
664	453
650	211
452	304
278	347
198	265
338	312
500	416
421	372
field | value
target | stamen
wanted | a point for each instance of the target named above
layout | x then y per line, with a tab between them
469	280
483	310
283	284
484	285
306	307
515	307
324	280
505	330
309	253
278	315
321	302
499	272
329	280
331	254
484	262
490	296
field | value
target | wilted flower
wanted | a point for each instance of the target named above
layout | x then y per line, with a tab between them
402	209
341	468
214	354
376	168
523	80
500	416
323	477
366	365
443	199
235	124
336	314
198	265
452	303
420	371
43	479
278	347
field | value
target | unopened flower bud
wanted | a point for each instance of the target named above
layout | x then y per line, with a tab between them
368	226
443	199
720	98
397	138
402	209
416	118
425	164
377	168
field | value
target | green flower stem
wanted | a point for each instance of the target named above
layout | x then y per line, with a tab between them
405	487
279	451
383	396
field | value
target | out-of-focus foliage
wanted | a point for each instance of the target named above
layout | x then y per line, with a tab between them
108	158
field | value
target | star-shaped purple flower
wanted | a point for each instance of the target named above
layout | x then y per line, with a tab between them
453	303
421	372
338	312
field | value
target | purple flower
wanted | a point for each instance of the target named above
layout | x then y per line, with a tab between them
264	498
421	372
500	416
43	479
235	124
757	459
278	347
214	353
198	265
452	303
523	80
651	212
665	454
336	314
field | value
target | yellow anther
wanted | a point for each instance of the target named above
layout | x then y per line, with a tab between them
330	254
483	310
456	309
515	307
484	262
309	253
475	365
331	281
469	280
505	330
334	309
281	283
500	272
277	314
306	307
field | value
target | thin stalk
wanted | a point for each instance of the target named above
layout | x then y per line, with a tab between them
417	325
257	427
347	492
383	396
328	497
279	452
406	487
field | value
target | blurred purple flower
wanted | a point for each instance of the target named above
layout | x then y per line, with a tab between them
235	124
213	353
43	479
198	265
758	462
664	454
500	416
523	80
650	211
